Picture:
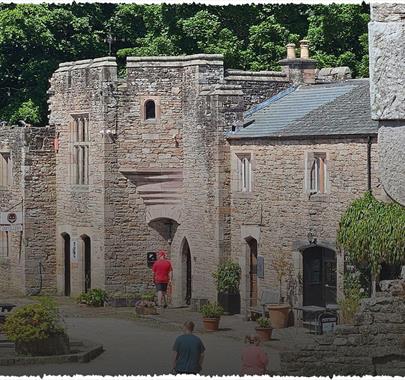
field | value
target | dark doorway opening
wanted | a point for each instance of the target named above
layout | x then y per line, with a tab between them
186	260
252	244
319	280
66	254
87	263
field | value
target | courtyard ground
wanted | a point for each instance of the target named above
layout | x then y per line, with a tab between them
141	346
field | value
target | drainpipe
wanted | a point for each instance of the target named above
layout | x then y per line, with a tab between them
369	143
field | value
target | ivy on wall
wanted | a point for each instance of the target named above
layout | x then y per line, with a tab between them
373	232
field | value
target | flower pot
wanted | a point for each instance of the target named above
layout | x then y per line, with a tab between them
54	345
211	324
230	302
264	333
278	315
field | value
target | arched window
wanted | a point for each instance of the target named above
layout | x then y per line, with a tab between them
150	110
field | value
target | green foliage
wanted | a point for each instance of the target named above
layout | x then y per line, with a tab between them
94	297
148	296
353	293
35	38
227	277
264	322
211	310
27	112
372	232
34	321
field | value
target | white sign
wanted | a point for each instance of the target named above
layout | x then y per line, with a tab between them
73	251
11	228
11	218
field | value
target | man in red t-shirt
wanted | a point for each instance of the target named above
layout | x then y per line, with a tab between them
162	276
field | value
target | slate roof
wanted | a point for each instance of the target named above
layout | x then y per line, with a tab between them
333	109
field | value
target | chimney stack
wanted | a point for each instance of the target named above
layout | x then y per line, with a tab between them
291	51
304	45
299	70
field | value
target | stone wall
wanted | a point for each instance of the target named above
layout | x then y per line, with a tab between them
372	345
33	192
387	57
279	213
147	173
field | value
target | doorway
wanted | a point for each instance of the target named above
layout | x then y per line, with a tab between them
87	263
186	269
319	281
252	252
66	254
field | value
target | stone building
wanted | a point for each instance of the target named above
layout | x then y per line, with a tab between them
301	158
152	160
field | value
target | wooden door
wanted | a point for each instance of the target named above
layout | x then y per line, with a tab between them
253	272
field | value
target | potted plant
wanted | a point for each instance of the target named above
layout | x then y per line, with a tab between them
37	330
94	297
278	313
227	279
211	313
146	305
264	328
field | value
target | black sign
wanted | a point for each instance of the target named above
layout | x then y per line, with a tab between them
260	266
151	258
12	217
328	322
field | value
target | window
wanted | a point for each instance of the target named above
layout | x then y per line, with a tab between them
317	175
6	166
150	110
81	150
245	173
3	244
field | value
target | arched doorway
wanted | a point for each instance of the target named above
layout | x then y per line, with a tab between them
87	262
319	280
252	254
66	255
186	272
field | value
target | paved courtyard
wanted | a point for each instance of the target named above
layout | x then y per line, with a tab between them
140	346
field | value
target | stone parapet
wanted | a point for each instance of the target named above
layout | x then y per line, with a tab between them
180	61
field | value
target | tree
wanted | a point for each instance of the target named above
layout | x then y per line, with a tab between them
372	233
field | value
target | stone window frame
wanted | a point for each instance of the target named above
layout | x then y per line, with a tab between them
80	150
156	100
237	187
6	170
319	161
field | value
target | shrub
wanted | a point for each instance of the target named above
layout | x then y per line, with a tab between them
227	277
148	296
34	322
94	297
264	322
211	310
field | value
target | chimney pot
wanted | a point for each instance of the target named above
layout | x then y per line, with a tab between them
291	51
304	45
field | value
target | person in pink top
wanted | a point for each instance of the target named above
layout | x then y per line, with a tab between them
254	359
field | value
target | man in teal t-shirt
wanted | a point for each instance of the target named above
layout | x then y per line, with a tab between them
188	351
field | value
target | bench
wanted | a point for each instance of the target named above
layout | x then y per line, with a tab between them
267	297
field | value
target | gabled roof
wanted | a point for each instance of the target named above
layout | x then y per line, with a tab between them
333	109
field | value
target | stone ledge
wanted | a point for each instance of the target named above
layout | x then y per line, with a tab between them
89	353
180	61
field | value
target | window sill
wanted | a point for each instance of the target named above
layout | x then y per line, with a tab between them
318	196
80	188
150	121
243	194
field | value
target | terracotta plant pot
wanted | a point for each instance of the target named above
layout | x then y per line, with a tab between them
278	315
264	333
211	324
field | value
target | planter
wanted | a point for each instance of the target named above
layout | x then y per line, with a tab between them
54	345
278	315
230	302
143	310
211	324
264	333
123	302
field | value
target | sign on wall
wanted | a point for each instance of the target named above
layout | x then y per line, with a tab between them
73	251
328	322
11	221
260	266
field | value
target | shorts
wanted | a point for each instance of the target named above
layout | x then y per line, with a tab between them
161	287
